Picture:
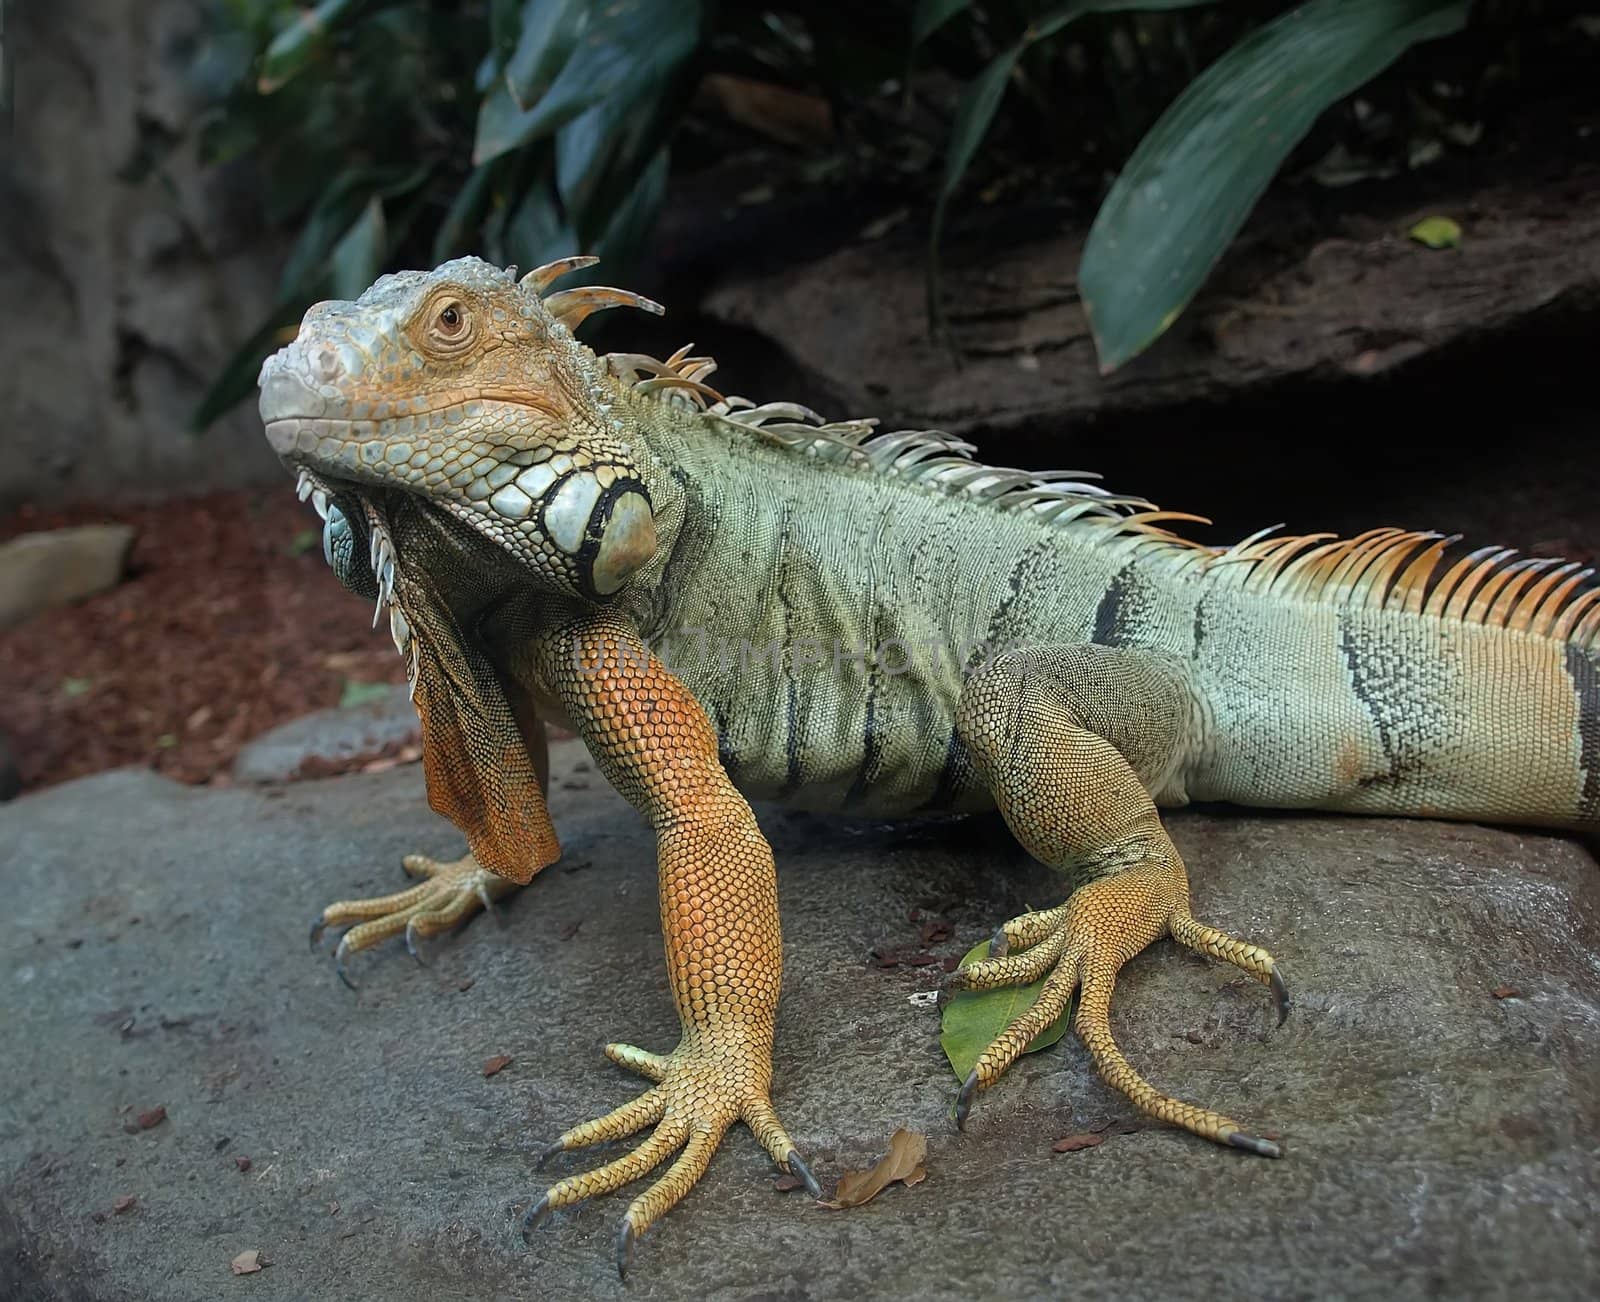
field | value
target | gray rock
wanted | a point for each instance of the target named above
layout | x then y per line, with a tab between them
1352	298
58	566
1439	1141
330	739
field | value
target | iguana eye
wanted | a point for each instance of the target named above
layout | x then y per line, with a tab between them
450	320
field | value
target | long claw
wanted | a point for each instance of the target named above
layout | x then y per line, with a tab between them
627	1236
999	945
317	928
557	1147
800	1169
411	943
1280	992
969	1090
338	961
535	1216
489	906
1265	1147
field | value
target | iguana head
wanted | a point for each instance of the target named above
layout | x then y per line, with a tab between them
462	448
464	388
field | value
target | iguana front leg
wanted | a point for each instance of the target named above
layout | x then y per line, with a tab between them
452	890
719	922
1067	739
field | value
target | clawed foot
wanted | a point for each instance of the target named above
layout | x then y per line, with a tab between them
1080	945
701	1090
450	893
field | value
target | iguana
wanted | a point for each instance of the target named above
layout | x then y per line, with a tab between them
730	601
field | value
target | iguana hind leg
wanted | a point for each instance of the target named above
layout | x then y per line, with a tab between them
1070	740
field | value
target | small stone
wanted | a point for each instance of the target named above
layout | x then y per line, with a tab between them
56	567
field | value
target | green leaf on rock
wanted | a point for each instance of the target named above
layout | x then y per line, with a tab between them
973	1019
1437	233
1198	172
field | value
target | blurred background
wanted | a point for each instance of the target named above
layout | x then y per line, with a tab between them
1333	263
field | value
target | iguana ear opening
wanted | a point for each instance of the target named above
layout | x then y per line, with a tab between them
482	758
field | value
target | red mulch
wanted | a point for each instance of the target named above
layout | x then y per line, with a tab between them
228	623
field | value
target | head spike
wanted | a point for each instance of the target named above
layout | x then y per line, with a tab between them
541	278
660	383
572	307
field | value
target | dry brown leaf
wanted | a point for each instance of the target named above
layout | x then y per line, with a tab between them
902	1162
243	1163
1076	1143
154	1117
498	1063
248	1262
125	1203
1506	992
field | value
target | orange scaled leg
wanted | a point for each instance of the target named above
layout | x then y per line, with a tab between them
719	921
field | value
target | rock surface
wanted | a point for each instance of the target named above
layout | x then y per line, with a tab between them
1435	1086
328	741
1307	293
57	566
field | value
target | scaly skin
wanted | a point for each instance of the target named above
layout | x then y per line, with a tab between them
728	601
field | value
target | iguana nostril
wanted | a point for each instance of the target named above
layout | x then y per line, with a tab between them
328	366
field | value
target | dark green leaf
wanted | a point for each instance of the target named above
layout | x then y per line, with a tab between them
331	218
601	155
535	232
635	216
974	1019
930	15
1198	172
630	45
295	45
358	257
505	25
456	232
550	29
973	115
982	99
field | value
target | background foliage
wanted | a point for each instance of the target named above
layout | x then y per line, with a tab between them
406	132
